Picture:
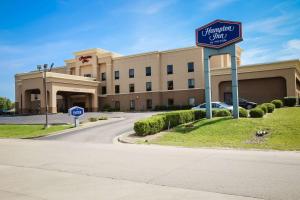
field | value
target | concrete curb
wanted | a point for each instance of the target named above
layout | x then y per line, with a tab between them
120	139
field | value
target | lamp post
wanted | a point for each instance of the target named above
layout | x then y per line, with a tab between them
45	70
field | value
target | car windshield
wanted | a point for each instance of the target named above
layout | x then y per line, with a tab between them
224	105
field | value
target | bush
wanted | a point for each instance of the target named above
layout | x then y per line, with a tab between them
223	113
264	108
93	119
290	101
256	113
270	107
141	127
277	103
199	114
102	118
243	112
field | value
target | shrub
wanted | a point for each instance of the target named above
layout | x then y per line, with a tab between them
243	112
270	107
223	113
199	114
290	101
102	118
263	107
278	103
156	124
93	119
256	112
141	127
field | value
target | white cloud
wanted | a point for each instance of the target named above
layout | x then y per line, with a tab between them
255	55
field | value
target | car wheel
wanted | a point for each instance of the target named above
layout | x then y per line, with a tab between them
249	106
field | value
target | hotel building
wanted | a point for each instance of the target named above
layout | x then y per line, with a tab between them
97	78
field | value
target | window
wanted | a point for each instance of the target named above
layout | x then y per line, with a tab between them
191	83
131	87
117	89
192	101
170	85
190	66
132	104
131	73
117	75
148	71
148	86
103	76
169	69
117	105
87	75
103	91
170	102
149	104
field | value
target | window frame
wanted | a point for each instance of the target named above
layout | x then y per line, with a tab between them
191	80
193	67
103	76
148	73
117	86
171	71
168	87
131	84
129	74
150	86
103	93
117	77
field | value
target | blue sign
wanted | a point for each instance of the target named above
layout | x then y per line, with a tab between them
218	34
76	111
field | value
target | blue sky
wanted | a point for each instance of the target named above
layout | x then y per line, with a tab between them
37	32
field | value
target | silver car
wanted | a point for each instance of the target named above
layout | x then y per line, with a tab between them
214	105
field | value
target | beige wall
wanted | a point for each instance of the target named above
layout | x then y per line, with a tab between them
103	61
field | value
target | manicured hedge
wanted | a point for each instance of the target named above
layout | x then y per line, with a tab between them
223	113
277	102
150	125
199	114
263	108
256	112
270	107
290	101
243	112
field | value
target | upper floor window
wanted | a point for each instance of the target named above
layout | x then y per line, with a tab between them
169	69
131	87
117	89
148	71
170	85
103	91
148	86
103	76
87	75
191	83
131	73
190	66
117	75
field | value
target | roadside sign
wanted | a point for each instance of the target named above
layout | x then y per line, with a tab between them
76	112
218	34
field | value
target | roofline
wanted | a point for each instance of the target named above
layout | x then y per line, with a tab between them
271	63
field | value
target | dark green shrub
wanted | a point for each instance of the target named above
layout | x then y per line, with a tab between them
223	113
199	114
278	103
93	119
256	112
243	112
263	107
141	127
270	107
102	118
156	124
214	112
290	101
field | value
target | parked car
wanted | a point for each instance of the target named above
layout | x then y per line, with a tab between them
246	104
214	105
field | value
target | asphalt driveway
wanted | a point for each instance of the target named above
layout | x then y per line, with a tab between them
103	133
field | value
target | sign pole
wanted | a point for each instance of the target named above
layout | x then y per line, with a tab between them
234	84
207	84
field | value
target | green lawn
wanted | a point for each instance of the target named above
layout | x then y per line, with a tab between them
28	131
283	126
